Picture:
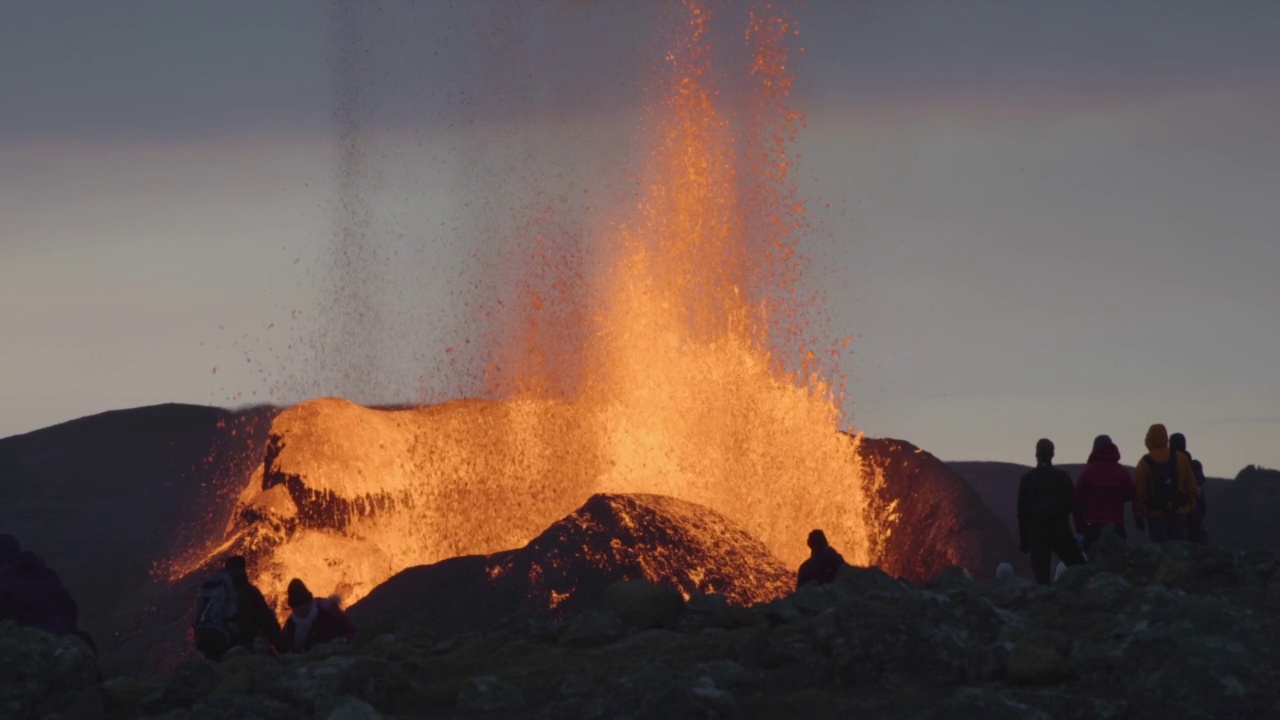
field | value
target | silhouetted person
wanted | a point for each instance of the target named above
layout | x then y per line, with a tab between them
313	621
254	617
824	562
1165	487
230	611
1044	511
1195	519
1101	492
32	594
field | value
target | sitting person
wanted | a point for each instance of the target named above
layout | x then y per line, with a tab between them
313	621
824	561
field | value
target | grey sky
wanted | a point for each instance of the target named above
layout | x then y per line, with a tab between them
1045	218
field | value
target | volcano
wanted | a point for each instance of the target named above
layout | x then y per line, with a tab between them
677	358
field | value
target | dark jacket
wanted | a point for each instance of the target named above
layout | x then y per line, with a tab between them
1102	490
1044	501
254	617
822	567
330	624
32	594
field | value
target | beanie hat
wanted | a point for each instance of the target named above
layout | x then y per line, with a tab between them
1044	450
298	594
1178	441
1102	440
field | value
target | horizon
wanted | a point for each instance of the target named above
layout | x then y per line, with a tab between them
1045	220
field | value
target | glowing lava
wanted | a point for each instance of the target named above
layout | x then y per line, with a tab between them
692	377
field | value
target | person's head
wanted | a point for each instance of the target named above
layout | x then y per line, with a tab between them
817	540
9	546
299	596
1157	437
235	566
1178	441
1004	571
1102	440
1044	450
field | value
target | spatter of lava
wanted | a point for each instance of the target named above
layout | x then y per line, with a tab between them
692	375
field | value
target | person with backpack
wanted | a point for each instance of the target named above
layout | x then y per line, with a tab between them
1195	519
230	611
824	561
313	621
1165	489
1101	492
32	594
1044	512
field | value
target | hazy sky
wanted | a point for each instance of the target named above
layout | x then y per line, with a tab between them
1036	218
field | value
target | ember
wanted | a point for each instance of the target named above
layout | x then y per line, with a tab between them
694	378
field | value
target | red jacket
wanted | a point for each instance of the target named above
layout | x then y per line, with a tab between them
1102	490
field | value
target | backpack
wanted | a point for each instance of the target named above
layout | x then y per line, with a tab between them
1166	496
215	622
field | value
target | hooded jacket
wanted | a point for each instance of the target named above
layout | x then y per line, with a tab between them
328	623
1102	490
1158	450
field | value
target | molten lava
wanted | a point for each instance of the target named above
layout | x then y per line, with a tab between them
695	377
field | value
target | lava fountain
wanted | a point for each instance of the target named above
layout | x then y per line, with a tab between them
683	368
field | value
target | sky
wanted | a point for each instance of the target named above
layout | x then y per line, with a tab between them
1034	218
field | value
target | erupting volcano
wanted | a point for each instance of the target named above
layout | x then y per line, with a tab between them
683	366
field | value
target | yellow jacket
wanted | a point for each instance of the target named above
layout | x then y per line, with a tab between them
1158	449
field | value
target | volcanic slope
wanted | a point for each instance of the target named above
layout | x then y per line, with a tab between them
565	569
104	498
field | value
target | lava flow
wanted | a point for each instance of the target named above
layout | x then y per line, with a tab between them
693	377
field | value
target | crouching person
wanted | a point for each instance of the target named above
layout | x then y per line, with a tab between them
313	621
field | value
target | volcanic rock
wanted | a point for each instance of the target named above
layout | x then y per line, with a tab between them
677	548
1105	642
942	522
42	674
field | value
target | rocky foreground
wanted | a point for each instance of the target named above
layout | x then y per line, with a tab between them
1186	632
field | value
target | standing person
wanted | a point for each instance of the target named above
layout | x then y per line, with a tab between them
824	561
1044	511
313	621
1101	492
1165	487
1195	520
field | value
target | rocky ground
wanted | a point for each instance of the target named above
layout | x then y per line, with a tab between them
1186	632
